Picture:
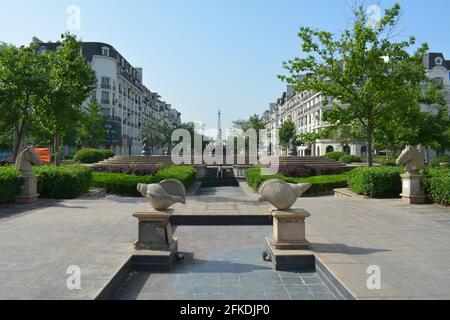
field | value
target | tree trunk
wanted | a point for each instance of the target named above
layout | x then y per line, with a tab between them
56	143
370	144
18	137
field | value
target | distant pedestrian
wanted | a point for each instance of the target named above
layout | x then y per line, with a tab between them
220	173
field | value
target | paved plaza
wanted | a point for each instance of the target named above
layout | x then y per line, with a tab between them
408	243
223	263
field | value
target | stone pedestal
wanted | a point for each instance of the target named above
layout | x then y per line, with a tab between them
289	229
412	192
29	190
155	249
288	249
155	230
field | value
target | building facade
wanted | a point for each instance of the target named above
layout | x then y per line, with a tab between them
306	110
125	101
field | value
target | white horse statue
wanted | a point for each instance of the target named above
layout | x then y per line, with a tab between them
26	160
412	159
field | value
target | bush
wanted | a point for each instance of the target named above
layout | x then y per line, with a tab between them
64	182
10	184
302	171
68	157
350	159
436	162
320	184
335	155
89	156
377	182
436	185
139	170
126	184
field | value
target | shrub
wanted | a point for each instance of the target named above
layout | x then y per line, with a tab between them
139	170
436	162
302	171
320	184
436	185
335	155
350	159
377	182
125	184
10	184
89	156
64	182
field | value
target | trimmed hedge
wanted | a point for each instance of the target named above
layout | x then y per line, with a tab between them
63	182
377	182
320	184
90	156
10	184
437	185
436	162
335	155
126	184
139	170
302	171
350	159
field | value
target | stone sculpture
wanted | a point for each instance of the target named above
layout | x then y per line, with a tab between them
280	194
164	194
412	192
287	248
293	144
412	159
146	147
24	163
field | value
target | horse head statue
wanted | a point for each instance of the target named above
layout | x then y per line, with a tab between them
412	159
26	160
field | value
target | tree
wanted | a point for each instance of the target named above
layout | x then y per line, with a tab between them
364	71
158	133
92	130
22	81
70	82
286	133
255	122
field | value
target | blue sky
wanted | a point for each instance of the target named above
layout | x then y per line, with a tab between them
201	55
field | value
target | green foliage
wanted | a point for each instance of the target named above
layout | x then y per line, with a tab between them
90	156
350	159
91	128
436	162
10	184
320	184
125	184
286	133
64	182
376	182
158	132
436	185
370	78
335	155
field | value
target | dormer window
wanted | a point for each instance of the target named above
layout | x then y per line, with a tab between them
439	61
105	51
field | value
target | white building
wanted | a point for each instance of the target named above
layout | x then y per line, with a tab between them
125	101
306	110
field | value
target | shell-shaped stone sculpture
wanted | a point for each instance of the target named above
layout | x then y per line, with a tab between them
163	195
280	194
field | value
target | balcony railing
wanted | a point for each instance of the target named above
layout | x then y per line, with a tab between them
106	86
106	101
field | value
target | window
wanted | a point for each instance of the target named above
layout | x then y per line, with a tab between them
105	51
106	83
105	97
438	81
439	61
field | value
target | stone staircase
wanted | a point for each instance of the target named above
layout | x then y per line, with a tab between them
136	160
311	161
210	179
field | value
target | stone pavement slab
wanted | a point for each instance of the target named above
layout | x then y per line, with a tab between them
410	244
39	242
